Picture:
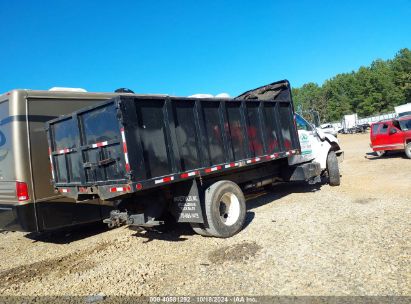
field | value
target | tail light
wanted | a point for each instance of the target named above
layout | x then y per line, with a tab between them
22	191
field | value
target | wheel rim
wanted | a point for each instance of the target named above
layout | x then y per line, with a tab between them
229	209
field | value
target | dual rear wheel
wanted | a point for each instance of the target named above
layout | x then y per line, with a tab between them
225	210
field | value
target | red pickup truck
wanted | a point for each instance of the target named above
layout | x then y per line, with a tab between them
391	135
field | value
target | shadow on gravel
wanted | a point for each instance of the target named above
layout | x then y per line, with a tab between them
173	233
249	216
257	199
68	235
177	232
387	155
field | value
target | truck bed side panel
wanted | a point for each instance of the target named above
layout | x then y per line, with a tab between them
156	139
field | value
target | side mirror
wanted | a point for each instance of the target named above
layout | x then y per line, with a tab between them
319	133
393	130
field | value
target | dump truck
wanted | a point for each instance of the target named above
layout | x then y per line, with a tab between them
193	158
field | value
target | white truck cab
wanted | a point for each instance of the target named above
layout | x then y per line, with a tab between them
320	147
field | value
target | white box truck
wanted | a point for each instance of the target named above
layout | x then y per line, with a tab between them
403	110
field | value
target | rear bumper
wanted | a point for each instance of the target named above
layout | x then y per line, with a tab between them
45	216
18	217
88	194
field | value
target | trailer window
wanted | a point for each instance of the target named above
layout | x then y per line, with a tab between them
214	134
6	146
270	127
236	130
186	134
101	125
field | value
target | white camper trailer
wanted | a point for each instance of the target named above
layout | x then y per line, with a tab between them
403	110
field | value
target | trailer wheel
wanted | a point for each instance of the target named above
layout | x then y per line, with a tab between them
408	150
199	229
225	209
332	169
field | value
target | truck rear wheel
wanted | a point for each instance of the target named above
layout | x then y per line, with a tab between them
224	209
408	150
333	170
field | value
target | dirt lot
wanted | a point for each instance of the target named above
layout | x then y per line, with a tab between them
299	240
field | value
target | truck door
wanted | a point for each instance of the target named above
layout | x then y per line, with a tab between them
374	134
308	140
381	139
395	138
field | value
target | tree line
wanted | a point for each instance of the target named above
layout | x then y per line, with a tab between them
370	90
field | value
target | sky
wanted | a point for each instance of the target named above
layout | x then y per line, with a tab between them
184	47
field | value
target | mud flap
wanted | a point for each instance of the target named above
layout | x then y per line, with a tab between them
304	172
186	203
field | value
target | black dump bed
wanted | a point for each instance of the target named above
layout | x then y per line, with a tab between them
132	143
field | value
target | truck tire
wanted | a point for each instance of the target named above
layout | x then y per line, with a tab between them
224	209
332	169
408	150
199	229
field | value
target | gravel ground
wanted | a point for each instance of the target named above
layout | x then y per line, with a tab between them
299	240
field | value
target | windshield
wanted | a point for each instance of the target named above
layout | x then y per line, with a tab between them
302	124
404	114
405	124
6	155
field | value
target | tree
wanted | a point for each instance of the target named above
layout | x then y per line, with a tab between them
309	97
370	90
337	96
378	91
401	66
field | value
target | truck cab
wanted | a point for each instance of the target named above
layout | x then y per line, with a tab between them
391	135
317	146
